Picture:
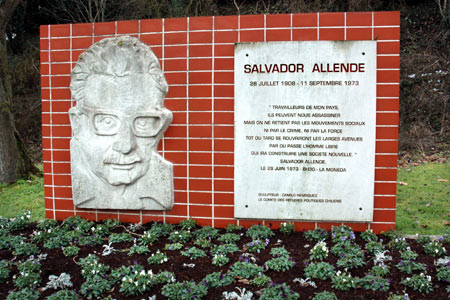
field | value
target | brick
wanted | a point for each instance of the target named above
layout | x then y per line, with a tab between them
200	131
331	34
221	223
60	30
175	104
152	39
127	27
176	78
151	25
176	157
248	223
385	188
49	213
177	92
179	118
278	20
200	50
181	197
43	31
224	185
60	155
384	215
358	34
358	227
44	44
200	158
60	56
75	55
225	22
61	143
388	62
223	145
62	131
380	227
200	118
385	160
200	104
304	34
223	50
45	119
388	76
129	218
224	132
387	18
107	28
225	36
200	77
200	91
48	202
62	215
223	198
359	19
224	118
388	47
107	216
175	38
385	202
200	211
62	180
201	37
224	90
45	69
387	133
80	29
224	212
200	64
201	23
386	147
224	77
60	69
175	65
224	104
48	180
175	24
200	197
327	225
176	131
44	58
60	44
180	184
331	19
223	172
61	94
175	145
61	106
224	159
387	118
224	63
251	21
175	51
204	221
200	184
179	171
63	192
252	36
385	174
304	226
64	204
200	145
304	20
278	35
174	220
386	34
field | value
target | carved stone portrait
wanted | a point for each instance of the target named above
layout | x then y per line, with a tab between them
117	123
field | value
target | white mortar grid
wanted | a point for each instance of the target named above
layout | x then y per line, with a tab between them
212	127
187	119
51	122
318	32
162	68
345	26
292	30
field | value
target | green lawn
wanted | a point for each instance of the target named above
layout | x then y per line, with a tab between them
423	205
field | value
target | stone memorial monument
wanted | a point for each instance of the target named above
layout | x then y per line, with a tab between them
117	124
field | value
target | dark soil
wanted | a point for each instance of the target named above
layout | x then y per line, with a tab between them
56	263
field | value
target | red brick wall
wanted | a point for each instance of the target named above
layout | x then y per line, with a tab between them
196	55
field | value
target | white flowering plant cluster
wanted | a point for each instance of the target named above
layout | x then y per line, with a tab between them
108	260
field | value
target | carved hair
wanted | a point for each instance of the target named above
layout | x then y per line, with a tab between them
118	57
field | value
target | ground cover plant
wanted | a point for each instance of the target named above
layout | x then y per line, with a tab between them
78	259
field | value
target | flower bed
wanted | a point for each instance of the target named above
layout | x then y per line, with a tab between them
77	259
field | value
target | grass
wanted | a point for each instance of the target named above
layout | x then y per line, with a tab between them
423	206
22	196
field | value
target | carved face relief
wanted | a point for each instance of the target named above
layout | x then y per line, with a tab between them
117	124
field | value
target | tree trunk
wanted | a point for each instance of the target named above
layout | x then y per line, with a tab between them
14	159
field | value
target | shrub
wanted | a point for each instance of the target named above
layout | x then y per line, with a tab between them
259	232
23	294
317	234
287	228
320	270
280	263
374	283
187	290
188	224
421	283
325	295
194	253
245	269
229	238
63	295
217	279
95	286
279	292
